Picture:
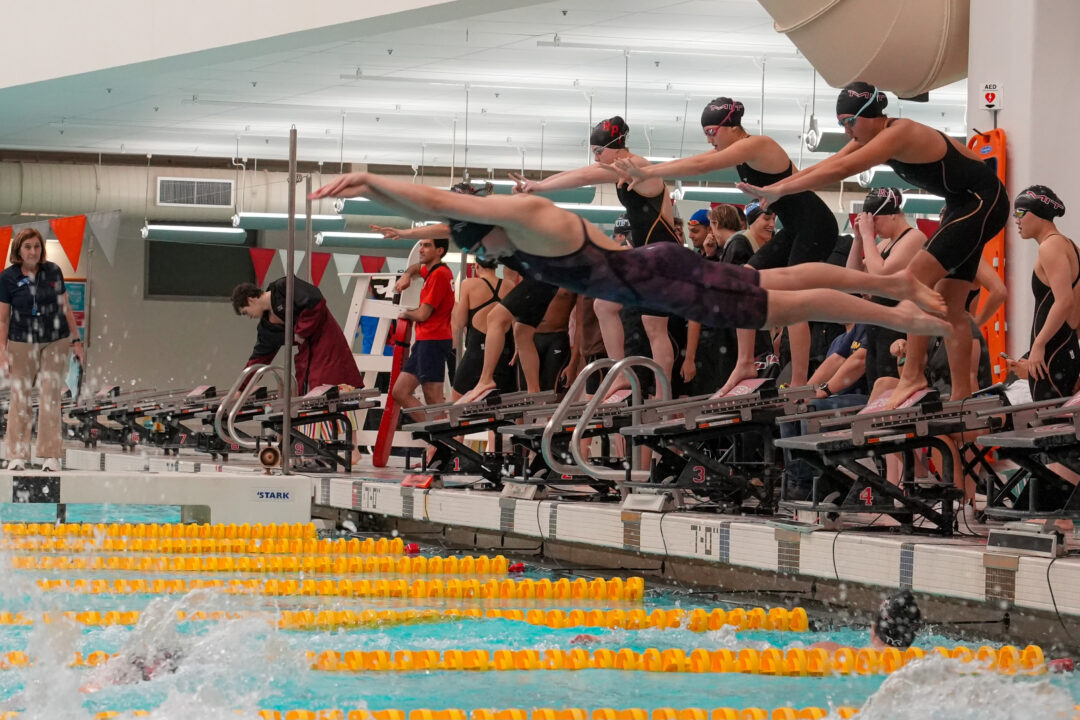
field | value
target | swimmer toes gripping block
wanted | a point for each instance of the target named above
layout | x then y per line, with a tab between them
401	338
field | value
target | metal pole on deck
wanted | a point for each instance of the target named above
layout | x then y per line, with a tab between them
290	293
310	230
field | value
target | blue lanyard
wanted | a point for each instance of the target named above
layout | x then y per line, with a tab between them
32	287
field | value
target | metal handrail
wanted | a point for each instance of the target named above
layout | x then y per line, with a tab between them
563	409
226	430
624	366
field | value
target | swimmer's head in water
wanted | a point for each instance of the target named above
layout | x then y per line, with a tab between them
465	234
610	133
883	201
1040	201
898	620
722	112
859	99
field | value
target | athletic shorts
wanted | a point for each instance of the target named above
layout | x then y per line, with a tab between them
429	360
554	351
528	301
472	364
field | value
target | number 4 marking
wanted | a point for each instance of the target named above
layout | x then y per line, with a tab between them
867	496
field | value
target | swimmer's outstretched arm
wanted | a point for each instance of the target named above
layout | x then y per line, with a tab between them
710	161
594	174
852	159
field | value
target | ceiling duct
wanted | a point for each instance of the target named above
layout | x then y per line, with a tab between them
907	46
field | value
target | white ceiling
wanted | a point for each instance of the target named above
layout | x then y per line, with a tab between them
527	101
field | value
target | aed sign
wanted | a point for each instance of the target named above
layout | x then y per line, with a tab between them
992	96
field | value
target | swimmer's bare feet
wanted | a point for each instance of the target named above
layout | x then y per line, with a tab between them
474	394
909	318
742	371
905	389
906	286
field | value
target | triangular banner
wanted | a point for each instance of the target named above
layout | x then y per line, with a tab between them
105	227
298	259
70	232
5	241
372	263
345	263
927	226
261	259
396	264
319	261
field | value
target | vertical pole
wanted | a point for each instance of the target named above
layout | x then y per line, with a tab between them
290	294
310	229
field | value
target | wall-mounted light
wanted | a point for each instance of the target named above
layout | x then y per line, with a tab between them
364	241
280	221
715	194
195	234
363	206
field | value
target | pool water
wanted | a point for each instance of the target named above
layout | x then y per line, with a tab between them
249	664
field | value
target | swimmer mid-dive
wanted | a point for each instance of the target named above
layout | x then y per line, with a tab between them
533	236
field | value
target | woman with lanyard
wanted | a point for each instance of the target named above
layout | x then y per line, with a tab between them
809	233
36	327
976	209
882	217
652	220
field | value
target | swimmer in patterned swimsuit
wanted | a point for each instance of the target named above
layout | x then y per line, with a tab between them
809	228
976	209
532	235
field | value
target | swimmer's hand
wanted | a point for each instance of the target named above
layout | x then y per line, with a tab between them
767	195
346	186
522	184
387	232
628	172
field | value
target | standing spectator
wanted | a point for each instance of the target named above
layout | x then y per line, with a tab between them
428	360
36	323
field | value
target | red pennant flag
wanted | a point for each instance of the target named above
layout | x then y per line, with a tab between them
851	221
69	231
319	261
261	259
5	243
372	263
926	226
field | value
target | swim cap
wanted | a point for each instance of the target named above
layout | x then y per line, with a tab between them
883	201
1040	200
862	99
465	234
722	111
489	263
753	211
898	620
610	133
622	225
701	217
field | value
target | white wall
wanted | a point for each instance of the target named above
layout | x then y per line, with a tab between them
1030	47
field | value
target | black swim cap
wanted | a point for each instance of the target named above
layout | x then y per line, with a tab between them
883	201
862	99
622	225
610	133
722	111
465	234
898	620
753	211
1040	200
489	263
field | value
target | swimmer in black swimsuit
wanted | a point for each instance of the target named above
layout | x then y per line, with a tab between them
652	220
809	228
976	209
532	235
477	296
1054	360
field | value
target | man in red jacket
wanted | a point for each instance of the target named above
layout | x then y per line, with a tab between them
325	356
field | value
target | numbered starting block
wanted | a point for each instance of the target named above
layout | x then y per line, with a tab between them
719	448
848	452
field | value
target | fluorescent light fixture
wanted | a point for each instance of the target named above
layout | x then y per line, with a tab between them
715	194
601	214
280	221
363	206
365	241
923	204
195	234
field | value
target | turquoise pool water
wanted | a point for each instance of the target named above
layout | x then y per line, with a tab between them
248	663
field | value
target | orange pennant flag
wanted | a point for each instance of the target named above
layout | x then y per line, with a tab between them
261	259
70	231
